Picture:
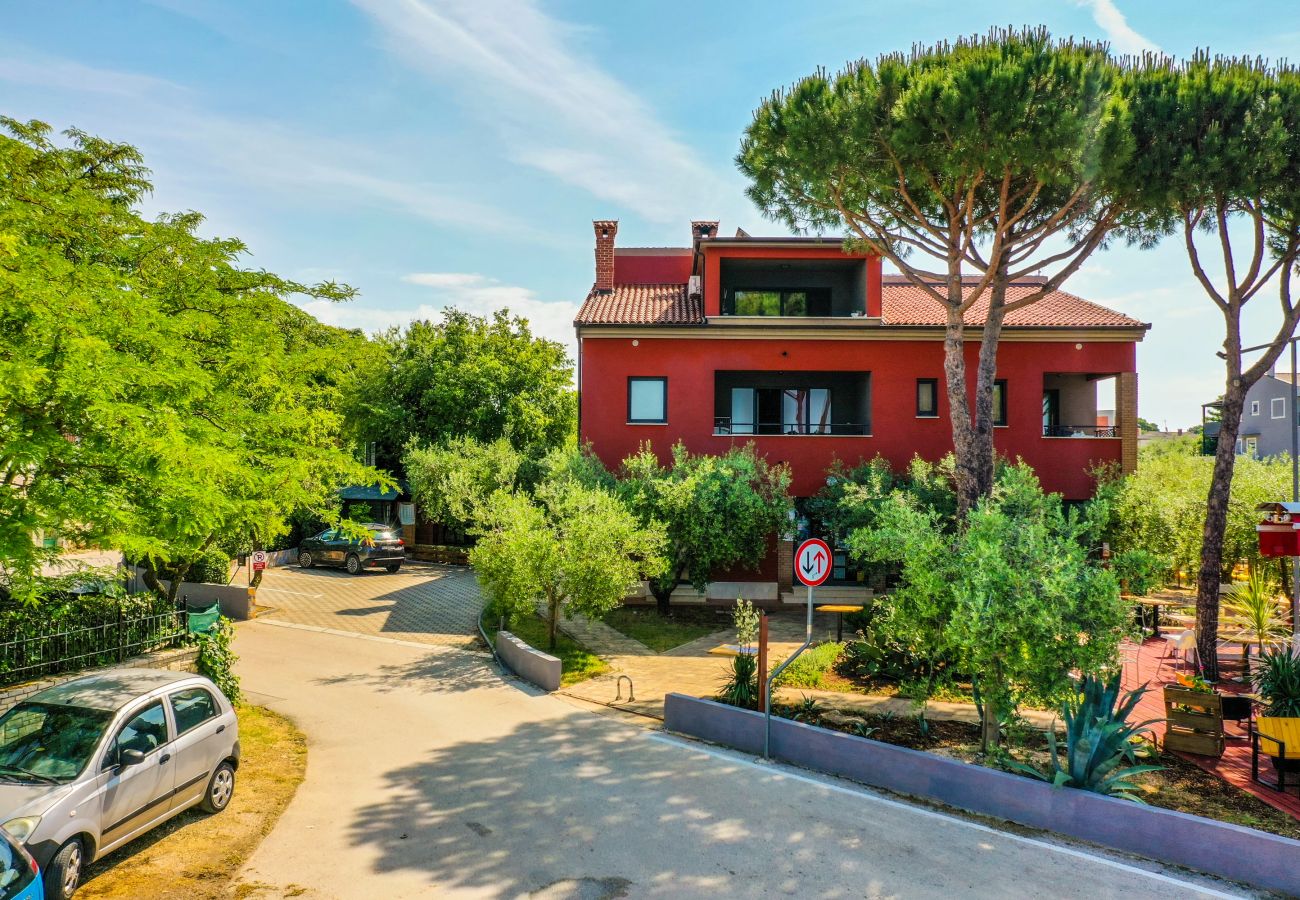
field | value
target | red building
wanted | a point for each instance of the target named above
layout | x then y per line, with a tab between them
812	354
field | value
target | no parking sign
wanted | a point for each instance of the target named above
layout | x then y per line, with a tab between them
259	560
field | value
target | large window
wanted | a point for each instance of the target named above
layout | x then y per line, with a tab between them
1277	408
647	401
780	410
1000	402
777	302
927	398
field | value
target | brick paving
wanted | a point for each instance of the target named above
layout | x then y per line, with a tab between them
1234	766
426	603
598	637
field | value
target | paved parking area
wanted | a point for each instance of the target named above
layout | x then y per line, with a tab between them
426	603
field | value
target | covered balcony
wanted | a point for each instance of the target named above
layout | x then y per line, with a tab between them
794	288
792	403
1080	405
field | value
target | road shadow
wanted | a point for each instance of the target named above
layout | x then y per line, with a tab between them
442	671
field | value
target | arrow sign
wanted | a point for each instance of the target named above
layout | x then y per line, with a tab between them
812	562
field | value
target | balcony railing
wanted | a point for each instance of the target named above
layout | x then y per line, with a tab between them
725	425
1101	431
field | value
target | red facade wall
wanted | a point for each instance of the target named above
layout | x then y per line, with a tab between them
651	268
690	364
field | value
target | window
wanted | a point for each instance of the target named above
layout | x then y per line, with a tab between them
1000	402
927	398
1254	407
1052	412
777	302
1277	408
192	707
647	400
146	732
1250	446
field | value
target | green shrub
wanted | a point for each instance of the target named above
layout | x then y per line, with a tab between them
1099	740
216	660
1277	679
741	687
810	667
1140	571
213	567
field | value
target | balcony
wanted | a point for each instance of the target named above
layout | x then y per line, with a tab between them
1076	431
793	289
797	404
1080	405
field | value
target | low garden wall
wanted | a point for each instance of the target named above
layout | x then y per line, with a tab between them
540	668
1228	851
234	598
181	659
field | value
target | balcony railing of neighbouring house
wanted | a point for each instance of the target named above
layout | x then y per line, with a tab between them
1101	431
725	425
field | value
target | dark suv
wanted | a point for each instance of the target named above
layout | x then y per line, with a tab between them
334	548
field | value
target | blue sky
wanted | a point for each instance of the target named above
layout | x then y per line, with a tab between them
440	152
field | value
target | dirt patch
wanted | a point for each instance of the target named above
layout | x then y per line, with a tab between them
1181	785
194	856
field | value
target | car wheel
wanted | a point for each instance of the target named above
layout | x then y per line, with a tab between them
305	560
221	788
63	874
353	564
393	568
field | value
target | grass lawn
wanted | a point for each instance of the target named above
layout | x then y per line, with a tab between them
681	626
195	856
577	663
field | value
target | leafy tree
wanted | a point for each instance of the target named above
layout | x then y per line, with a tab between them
155	396
990	155
718	511
467	376
1013	598
1147	425
573	549
452	481
1218	164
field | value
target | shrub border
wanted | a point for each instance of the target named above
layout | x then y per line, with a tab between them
1218	848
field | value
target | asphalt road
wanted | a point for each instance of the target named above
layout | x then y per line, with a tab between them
430	776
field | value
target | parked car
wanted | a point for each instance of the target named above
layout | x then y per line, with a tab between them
89	764
20	877
383	548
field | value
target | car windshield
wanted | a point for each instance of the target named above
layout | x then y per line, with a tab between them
45	742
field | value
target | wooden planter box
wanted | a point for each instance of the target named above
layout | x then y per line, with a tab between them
1194	721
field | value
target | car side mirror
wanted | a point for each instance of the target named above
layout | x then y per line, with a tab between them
127	758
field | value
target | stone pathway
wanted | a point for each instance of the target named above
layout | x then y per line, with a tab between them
598	637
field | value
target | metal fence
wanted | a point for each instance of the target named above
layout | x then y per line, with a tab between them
38	655
1108	431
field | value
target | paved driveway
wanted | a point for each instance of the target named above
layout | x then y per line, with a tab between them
424	603
430	776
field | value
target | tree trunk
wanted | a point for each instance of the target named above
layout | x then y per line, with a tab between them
1216	520
963	435
552	622
990	733
662	590
150	575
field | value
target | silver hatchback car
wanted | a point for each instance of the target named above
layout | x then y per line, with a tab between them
90	764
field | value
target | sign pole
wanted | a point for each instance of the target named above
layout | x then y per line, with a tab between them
762	653
812	565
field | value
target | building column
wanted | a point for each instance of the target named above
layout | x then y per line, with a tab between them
1128	422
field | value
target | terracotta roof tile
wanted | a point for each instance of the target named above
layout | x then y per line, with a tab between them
641	304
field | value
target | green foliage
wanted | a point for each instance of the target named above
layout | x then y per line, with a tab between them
741	687
1098	741
717	511
1160	508
1258	604
451	481
467	377
155	395
1140	571
213	567
745	617
810	667
1147	425
1013	599
568	548
1277	679
216	660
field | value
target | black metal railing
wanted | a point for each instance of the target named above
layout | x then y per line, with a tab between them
727	425
36	655
1104	431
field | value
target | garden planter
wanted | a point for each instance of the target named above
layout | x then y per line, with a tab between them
1194	721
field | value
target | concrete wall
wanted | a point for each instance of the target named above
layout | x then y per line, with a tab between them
236	602
1228	851
540	668
182	659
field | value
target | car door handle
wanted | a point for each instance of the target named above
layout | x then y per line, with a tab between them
221	729
164	758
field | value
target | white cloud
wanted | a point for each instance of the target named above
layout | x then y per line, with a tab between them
553	109
1123	38
471	292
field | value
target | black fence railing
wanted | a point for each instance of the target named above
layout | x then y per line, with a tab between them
727	425
38	655
1108	431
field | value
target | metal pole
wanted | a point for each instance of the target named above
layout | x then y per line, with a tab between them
767	695
1295	498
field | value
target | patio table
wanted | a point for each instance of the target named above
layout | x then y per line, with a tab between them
1155	604
840	609
733	650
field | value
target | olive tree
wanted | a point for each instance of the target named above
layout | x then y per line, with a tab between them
967	165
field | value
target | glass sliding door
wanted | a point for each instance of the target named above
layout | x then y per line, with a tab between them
742	411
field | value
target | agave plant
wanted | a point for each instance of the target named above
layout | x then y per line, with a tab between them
1277	679
1256	602
741	687
1099	742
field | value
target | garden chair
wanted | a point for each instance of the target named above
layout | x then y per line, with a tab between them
1281	739
1179	646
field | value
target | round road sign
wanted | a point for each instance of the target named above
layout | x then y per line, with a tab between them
259	559
812	562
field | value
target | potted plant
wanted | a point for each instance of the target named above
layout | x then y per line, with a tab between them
1276	734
